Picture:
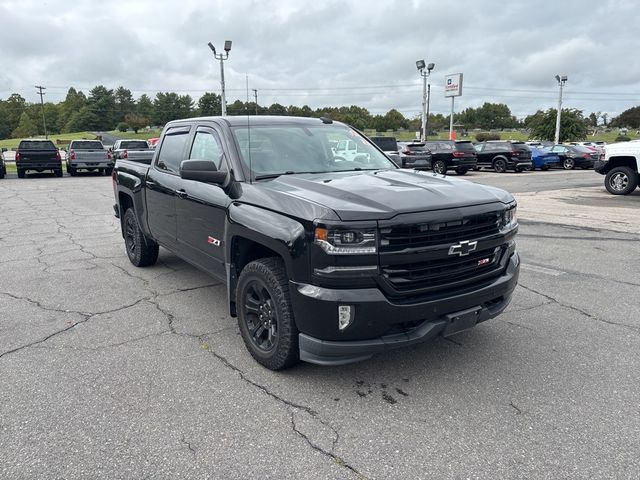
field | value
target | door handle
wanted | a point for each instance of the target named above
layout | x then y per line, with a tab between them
182	193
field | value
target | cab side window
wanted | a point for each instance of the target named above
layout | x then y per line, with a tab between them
206	146
172	150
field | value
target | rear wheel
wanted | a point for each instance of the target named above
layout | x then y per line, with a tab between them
461	171
141	250
499	165
439	167
72	171
58	172
108	171
621	180
21	173
2	172
568	164
265	317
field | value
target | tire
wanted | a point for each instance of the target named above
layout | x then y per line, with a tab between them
568	164
2	173
108	171
499	165
439	167
141	250
263	291
544	168
72	171
58	172
461	171
621	180
519	169
21	173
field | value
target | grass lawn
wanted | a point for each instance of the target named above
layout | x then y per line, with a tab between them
139	135
12	143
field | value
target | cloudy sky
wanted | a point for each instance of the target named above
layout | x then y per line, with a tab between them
327	52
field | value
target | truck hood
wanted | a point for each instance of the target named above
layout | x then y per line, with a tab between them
383	194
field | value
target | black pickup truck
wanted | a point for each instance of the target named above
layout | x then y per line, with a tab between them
38	155
325	260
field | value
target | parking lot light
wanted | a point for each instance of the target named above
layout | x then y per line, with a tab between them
561	81
222	58
426	90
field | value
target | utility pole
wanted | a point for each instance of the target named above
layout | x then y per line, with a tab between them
44	122
222	57
255	95
561	81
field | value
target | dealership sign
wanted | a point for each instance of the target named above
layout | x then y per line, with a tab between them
453	85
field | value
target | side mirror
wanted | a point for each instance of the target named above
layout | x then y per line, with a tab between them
202	171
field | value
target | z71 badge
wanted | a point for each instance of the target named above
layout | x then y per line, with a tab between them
213	241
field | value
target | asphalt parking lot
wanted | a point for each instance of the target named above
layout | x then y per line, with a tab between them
109	371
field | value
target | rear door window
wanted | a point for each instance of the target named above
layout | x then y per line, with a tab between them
172	150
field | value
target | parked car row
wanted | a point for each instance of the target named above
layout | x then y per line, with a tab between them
461	156
41	155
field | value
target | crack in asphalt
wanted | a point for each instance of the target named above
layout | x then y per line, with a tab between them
85	318
516	408
632	328
189	446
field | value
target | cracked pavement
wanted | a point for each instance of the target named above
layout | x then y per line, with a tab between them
118	372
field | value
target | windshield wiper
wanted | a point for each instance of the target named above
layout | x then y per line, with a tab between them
288	172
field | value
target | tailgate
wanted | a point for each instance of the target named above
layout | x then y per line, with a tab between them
90	155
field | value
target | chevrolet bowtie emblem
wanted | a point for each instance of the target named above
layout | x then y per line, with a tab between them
463	248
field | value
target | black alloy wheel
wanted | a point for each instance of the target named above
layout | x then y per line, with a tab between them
499	165
440	167
260	316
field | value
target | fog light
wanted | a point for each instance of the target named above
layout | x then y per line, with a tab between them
345	316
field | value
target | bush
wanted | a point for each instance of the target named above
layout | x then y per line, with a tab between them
622	138
485	136
122	127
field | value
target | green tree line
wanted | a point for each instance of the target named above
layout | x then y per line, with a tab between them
108	109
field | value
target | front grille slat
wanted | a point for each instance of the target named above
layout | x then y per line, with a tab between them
442	269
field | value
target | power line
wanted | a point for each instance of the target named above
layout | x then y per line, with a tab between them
41	93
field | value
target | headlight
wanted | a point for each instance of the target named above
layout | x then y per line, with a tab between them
346	242
509	217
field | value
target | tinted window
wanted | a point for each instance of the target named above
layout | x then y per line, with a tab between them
446	146
134	145
465	147
36	145
431	146
206	147
86	145
172	151
581	149
388	144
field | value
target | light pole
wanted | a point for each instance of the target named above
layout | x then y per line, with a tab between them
426	91
561	81
222	57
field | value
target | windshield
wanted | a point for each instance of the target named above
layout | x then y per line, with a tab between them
281	149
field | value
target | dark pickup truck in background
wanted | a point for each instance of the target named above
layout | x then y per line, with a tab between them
38	155
88	155
325	260
135	150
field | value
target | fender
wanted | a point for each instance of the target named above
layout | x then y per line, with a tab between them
284	235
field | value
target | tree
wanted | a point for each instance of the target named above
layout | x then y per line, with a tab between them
144	106
25	128
136	121
15	106
85	119
629	118
5	127
102	103
124	103
277	109
171	106
573	125
210	104
73	103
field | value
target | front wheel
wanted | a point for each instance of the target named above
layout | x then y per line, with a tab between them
265	317
142	251
621	180
439	167
568	164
